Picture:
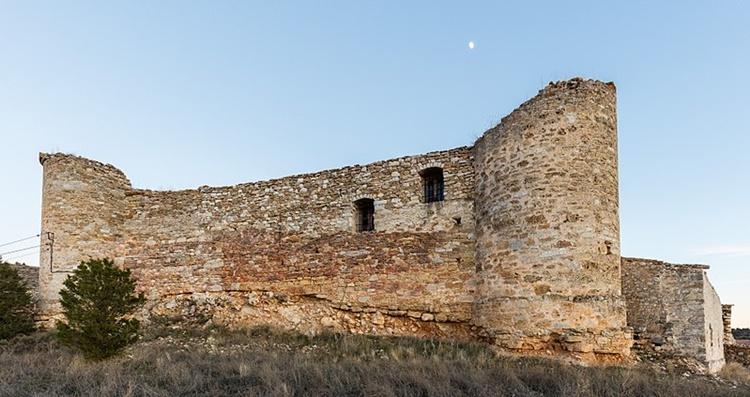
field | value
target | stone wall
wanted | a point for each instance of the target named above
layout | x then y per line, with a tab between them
283	251
674	309
713	327
726	316
737	354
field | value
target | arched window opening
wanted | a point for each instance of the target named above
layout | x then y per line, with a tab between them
365	214
434	186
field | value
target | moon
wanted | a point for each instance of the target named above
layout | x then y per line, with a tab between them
471	45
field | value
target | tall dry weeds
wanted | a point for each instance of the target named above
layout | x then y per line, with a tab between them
265	362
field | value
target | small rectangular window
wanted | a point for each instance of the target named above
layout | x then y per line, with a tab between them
365	214
434	186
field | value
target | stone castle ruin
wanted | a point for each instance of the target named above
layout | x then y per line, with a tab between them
514	241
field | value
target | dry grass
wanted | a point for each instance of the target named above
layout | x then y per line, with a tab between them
264	362
736	372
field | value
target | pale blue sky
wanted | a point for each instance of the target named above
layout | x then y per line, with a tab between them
182	94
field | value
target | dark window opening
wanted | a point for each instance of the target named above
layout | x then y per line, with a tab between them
434	187
365	214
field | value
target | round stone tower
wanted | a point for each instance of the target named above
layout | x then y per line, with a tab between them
83	207
547	225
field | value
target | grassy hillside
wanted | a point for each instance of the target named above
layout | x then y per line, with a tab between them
264	362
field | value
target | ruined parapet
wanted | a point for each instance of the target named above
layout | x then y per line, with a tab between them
83	207
674	309
726	316
547	225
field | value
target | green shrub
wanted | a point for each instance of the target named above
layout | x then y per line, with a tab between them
98	301
16	306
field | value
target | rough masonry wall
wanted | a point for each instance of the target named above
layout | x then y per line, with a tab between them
83	205
737	353
285	251
713	327
674	309
726	315
548	243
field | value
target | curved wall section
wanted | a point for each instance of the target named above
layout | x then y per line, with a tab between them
283	252
547	224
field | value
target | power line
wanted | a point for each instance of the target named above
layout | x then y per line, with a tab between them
18	241
18	250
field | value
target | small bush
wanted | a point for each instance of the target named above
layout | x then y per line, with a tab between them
16	306
98	301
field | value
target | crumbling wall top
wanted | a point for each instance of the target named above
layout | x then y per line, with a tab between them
50	158
553	89
667	265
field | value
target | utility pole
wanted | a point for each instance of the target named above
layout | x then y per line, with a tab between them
51	244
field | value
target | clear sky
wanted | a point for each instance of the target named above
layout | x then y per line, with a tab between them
182	94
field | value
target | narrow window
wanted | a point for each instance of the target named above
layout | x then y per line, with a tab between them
365	214
434	187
